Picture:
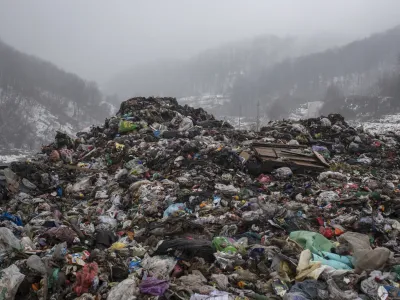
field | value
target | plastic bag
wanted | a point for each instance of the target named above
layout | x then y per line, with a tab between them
66	155
364	161
82	185
174	208
118	246
186	124
322	150
221	280
331	175
187	249
295	296
264	179
215	295
293	143
229	230
299	128
126	126
85	278
135	166
27	243
327	197
325	122
35	262
283	173
224	244
11	179
109	221
15	219
372	259
364	257
229	190
159	266
8	241
308	289
125	290
334	260
133	163
153	286
10	279
337	293
59	251
313	241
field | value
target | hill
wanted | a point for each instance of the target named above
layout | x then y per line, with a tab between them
213	71
355	68
36	98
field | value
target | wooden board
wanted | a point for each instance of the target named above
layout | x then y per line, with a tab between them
278	155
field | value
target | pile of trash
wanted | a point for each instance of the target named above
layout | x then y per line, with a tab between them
165	202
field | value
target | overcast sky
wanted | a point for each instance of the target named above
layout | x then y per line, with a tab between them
98	38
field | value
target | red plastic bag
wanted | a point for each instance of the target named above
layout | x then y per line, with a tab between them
85	277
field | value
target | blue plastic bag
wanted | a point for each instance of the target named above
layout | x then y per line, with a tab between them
12	218
174	208
336	261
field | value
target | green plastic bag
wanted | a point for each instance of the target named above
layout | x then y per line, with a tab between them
127	126
313	241
224	244
396	269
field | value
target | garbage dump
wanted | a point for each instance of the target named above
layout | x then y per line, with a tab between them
165	202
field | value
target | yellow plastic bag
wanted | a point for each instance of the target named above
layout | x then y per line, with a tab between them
117	246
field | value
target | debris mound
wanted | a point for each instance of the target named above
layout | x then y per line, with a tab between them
165	201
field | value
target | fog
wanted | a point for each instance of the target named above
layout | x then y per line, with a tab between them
98	38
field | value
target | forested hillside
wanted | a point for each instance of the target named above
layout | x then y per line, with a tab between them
280	73
213	71
356	69
37	98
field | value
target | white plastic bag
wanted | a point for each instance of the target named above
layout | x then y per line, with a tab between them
125	290
10	279
8	241
35	262
159	266
186	124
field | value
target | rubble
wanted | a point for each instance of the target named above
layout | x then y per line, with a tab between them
165	202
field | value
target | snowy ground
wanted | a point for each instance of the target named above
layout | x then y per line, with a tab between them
306	110
208	102
8	156
385	124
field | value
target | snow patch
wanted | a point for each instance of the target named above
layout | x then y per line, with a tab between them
307	110
388	123
6	159
8	156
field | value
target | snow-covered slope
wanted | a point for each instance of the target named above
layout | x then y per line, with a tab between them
214	104
9	155
385	124
31	124
37	98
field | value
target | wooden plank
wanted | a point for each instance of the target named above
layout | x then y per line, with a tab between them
276	154
269	152
285	146
271	155
71	167
305	164
321	159
293	159
296	153
297	158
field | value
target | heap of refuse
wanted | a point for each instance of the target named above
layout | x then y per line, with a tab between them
165	202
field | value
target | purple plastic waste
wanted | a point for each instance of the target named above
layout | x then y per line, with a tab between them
153	286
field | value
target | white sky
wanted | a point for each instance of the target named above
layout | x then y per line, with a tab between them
98	38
